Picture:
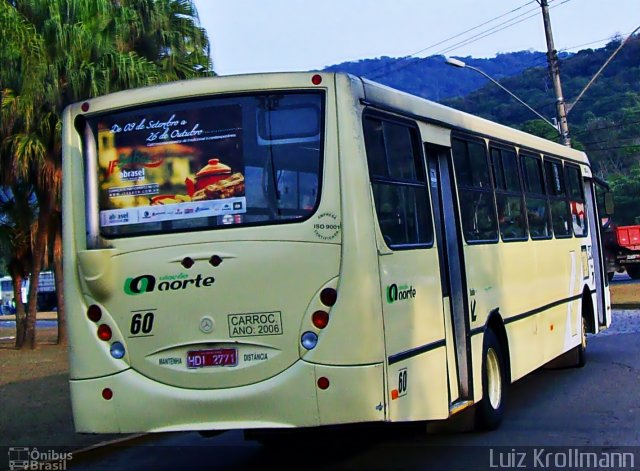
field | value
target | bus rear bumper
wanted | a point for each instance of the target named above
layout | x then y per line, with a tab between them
289	399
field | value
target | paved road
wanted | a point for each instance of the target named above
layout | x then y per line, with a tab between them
596	406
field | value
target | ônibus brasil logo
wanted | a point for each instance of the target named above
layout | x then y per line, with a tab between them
147	283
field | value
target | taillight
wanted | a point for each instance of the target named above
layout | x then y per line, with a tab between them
328	296
320	319
94	313
323	382
104	332
107	394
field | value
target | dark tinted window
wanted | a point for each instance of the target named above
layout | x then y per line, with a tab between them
398	181
209	163
556	188
536	199
509	200
475	193
576	201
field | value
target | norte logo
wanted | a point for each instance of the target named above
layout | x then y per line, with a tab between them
400	293
147	283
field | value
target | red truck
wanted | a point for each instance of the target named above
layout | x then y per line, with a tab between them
622	247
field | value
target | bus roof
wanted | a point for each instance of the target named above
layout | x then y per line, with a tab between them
374	94
378	94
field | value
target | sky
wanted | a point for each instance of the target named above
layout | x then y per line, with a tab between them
250	36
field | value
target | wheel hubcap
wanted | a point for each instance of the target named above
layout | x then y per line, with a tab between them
494	379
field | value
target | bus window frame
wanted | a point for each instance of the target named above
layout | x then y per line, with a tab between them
509	193
468	137
419	159
583	200
554	160
524	154
93	206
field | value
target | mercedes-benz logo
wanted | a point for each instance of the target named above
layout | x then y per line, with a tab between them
206	324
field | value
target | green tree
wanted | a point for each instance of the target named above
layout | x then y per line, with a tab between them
17	225
626	193
56	52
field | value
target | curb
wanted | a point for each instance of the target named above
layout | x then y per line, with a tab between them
626	306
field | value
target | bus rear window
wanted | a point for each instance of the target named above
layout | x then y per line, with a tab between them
241	160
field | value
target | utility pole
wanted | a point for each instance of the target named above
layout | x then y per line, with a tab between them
552	58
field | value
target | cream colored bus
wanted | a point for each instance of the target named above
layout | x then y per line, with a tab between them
308	249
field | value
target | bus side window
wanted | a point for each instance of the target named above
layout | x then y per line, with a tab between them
576	201
398	181
537	206
475	192
557	190
509	200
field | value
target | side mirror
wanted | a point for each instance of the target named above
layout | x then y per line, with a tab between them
608	203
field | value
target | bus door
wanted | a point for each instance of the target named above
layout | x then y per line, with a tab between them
596	252
451	262
410	285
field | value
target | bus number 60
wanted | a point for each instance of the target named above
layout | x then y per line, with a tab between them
140	323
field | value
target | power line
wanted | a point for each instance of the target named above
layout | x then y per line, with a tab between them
602	128
637	146
486	33
460	34
475	27
610	140
472	39
490	31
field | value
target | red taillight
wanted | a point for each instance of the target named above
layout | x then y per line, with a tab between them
323	383
85	107
104	332
107	394
94	313
316	79
320	319
328	296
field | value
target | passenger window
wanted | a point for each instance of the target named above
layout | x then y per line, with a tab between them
536	198
477	207
509	200
576	201
396	169
557	191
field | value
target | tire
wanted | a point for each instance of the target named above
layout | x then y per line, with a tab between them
633	271
490	410
582	348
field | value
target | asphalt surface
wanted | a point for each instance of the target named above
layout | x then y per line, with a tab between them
550	413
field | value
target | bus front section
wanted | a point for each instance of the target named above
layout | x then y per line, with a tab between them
203	245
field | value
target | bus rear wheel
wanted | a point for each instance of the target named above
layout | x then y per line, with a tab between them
490	410
582	348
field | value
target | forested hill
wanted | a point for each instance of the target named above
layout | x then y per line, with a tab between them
432	78
605	122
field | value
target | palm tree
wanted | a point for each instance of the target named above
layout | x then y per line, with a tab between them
73	50
17	217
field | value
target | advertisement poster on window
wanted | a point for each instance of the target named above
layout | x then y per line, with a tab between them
170	163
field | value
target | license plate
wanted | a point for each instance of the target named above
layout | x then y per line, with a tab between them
213	357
